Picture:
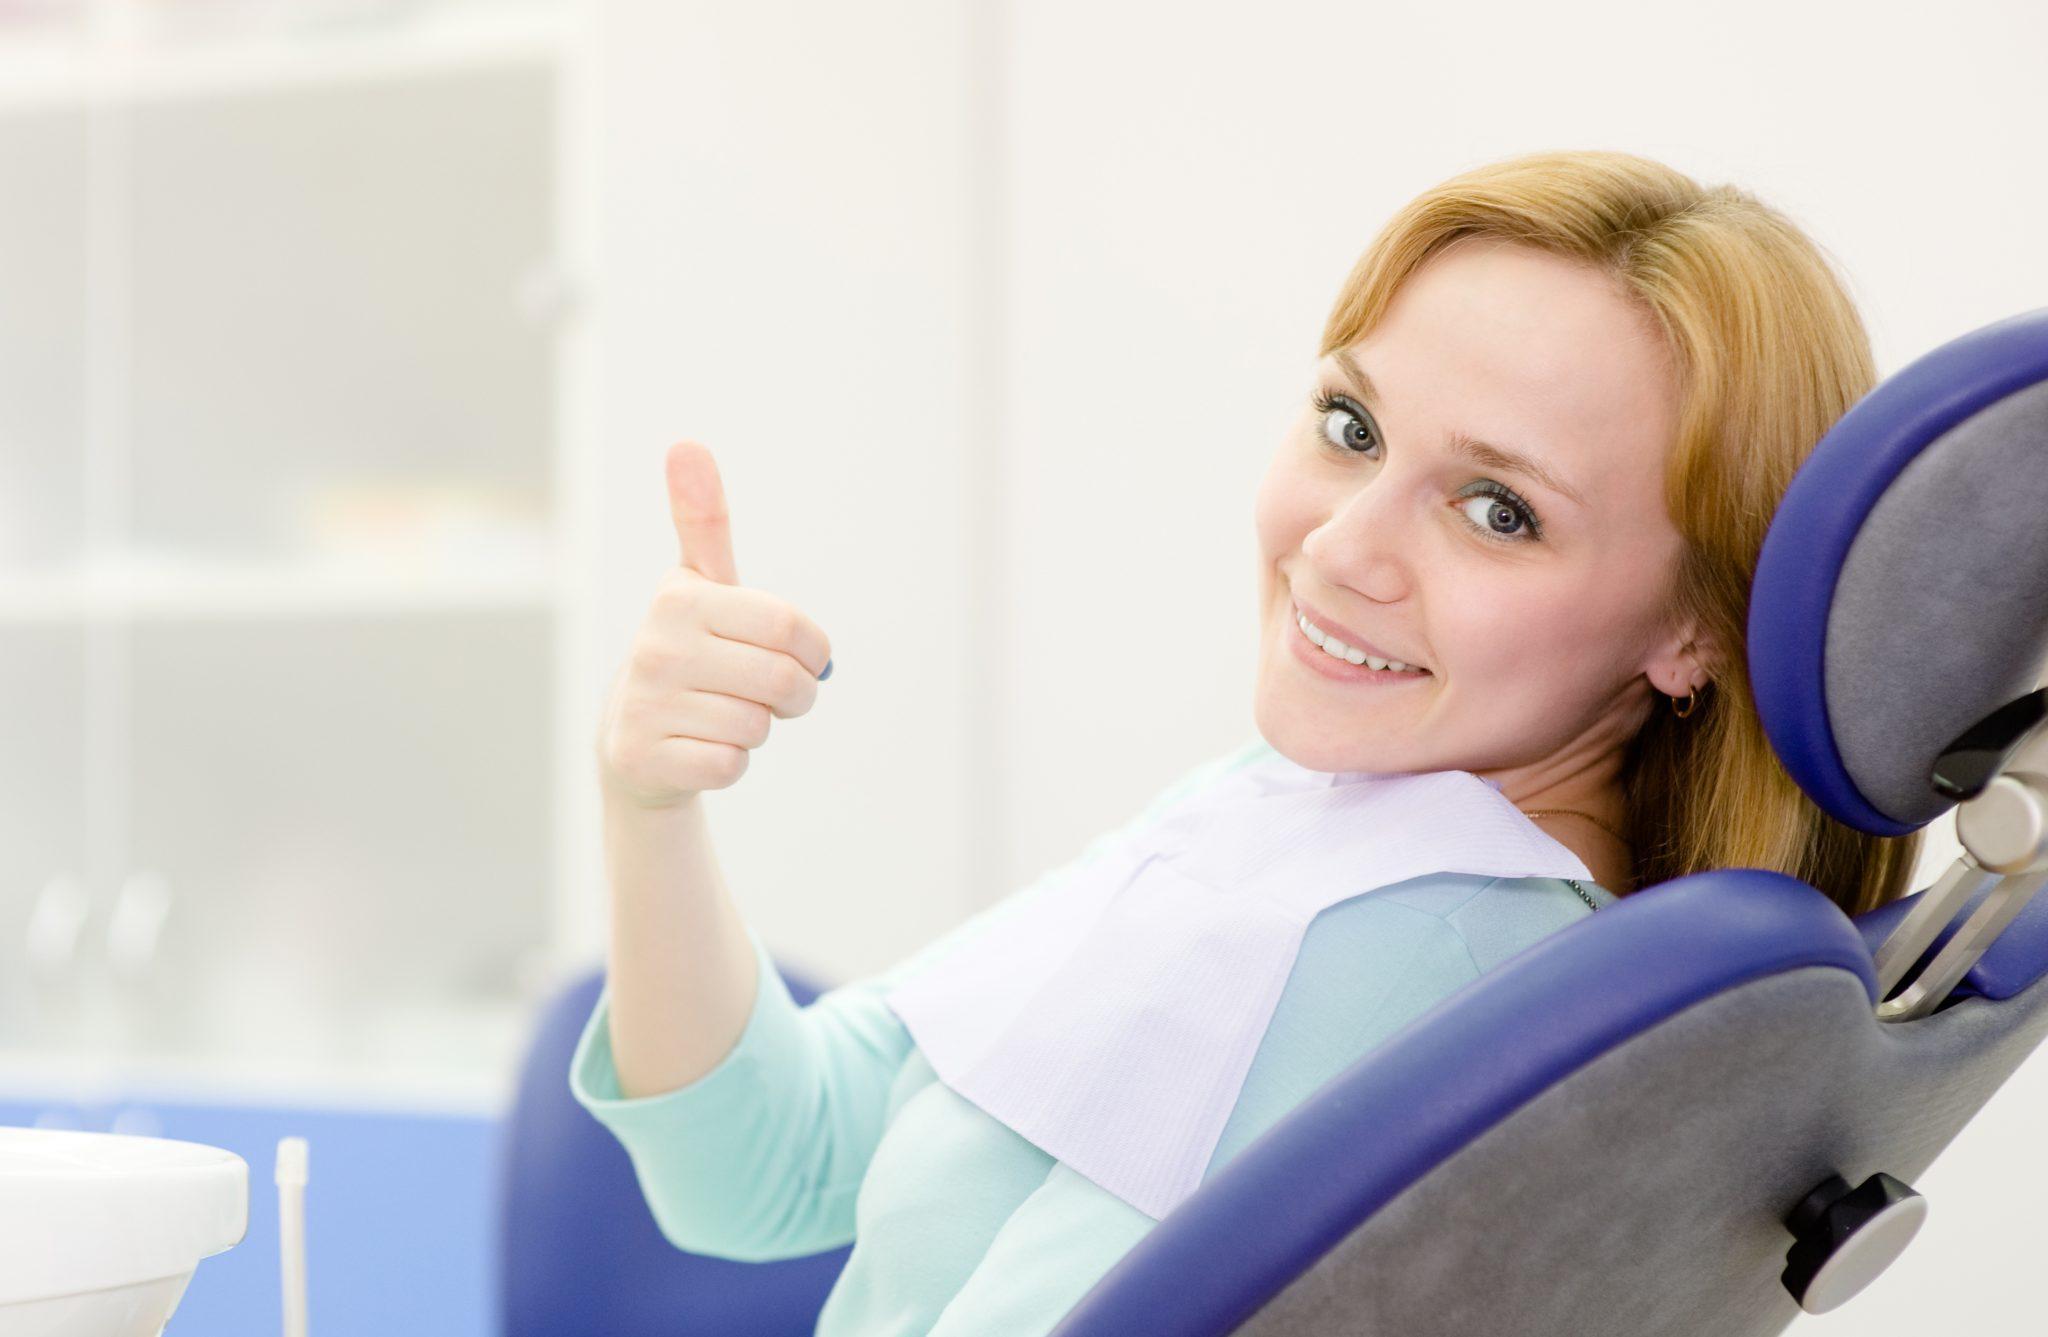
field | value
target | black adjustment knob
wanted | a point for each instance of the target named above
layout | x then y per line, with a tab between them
1979	753
1846	1237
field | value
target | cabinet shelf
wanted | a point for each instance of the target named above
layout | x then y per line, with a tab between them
51	72
467	1063
157	589
294	547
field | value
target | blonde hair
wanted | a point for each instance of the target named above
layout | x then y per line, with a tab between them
1769	352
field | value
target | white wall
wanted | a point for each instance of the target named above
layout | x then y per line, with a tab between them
994	314
785	274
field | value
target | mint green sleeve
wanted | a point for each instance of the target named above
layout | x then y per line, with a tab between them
762	1157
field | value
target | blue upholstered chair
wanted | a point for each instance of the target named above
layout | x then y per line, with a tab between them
1698	1111
579	1252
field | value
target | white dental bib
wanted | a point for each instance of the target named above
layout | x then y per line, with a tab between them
1110	1021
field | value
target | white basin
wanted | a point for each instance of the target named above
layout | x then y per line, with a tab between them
100	1232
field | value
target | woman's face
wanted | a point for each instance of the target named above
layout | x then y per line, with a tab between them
1536	606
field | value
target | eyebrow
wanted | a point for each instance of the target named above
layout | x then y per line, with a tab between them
1483	453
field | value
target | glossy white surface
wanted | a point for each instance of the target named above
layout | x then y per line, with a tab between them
100	1232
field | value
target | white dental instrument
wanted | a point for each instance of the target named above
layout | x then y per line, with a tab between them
291	1230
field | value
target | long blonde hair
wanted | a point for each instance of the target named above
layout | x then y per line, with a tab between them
1770	352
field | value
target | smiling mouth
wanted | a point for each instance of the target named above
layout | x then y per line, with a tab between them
1334	649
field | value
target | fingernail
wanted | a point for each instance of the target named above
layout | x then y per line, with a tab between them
828	670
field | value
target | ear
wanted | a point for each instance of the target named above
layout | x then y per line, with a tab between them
1684	663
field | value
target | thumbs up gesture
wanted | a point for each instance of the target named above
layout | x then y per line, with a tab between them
711	663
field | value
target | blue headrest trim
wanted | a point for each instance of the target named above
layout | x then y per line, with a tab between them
1825	506
1267	1215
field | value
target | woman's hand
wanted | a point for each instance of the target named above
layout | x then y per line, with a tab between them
711	662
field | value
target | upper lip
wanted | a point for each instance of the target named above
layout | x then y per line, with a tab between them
1332	627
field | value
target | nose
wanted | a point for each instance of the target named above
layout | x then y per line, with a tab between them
1367	543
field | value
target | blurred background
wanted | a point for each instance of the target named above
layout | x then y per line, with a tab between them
340	344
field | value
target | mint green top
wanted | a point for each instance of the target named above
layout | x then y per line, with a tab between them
825	1125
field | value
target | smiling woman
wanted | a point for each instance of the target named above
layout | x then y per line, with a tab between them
1557	402
1556	405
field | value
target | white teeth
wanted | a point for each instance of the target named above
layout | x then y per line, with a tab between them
1332	646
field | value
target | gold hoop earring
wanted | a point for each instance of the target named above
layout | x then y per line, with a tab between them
1689	704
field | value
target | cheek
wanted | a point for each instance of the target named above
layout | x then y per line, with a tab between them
1542	646
1502	631
1283	510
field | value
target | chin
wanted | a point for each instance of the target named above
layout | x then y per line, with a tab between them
1306	741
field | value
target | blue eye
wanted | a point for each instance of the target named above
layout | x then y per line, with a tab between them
1503	501
1356	432
1361	431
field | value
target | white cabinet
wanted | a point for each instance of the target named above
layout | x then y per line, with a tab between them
289	546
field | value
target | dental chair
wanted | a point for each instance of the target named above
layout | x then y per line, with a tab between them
1700	1111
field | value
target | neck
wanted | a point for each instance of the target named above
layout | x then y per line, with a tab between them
1592	788
1603	805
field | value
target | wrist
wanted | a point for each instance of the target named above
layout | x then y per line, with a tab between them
620	796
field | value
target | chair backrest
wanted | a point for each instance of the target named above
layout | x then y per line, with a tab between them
1543	1156
580	1251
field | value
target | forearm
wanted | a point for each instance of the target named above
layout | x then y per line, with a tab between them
750	1121
682	970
